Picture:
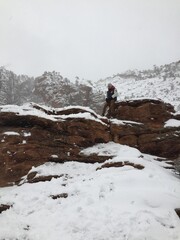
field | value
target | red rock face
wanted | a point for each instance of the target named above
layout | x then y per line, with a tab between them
151	136
39	140
147	111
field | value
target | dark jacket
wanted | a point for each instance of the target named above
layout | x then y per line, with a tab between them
111	94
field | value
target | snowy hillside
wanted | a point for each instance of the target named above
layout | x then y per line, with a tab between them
160	83
118	203
167	90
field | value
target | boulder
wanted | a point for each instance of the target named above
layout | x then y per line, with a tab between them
149	111
147	130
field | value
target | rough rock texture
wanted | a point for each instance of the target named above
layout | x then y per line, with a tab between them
121	164
177	210
149	111
4	207
39	140
151	136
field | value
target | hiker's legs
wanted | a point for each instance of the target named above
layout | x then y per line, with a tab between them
111	108
104	108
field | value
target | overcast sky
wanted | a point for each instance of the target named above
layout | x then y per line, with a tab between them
91	39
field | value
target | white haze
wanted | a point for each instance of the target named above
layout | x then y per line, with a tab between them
91	39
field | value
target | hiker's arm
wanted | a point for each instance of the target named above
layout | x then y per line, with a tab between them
115	93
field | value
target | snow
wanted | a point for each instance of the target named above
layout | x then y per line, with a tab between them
156	88
11	133
26	134
85	115
172	123
54	156
122	203
28	109
123	122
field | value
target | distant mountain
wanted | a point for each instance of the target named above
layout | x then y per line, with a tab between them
54	90
171	70
57	91
15	89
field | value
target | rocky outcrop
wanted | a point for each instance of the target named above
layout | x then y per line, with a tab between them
148	111
59	135
4	207
28	141
66	93
147	130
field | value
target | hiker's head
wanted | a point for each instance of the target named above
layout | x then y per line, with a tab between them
110	85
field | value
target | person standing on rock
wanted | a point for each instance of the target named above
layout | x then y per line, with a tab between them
111	98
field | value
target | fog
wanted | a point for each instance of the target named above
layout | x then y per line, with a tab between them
91	39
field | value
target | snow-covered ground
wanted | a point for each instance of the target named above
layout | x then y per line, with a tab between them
122	203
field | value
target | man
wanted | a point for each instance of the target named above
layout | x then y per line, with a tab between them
110	100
